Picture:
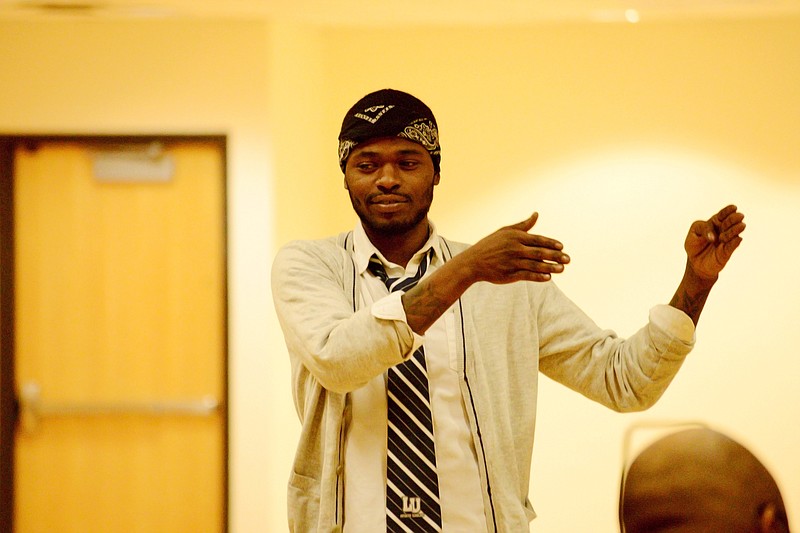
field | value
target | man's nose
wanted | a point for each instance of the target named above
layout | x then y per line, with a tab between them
388	177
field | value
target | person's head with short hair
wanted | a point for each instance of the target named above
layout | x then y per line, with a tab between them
700	481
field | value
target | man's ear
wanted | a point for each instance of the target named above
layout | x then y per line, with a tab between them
344	180
436	179
768	521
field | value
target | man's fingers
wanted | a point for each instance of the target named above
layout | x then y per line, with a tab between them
732	231
704	229
514	254
527	224
551	254
732	245
725	211
723	226
536	274
727	217
535	240
540	261
733	224
540	241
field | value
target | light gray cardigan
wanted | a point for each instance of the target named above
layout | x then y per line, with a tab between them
508	333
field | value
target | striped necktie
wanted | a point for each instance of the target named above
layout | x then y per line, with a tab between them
412	491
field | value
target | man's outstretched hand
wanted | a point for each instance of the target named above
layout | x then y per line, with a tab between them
508	255
513	254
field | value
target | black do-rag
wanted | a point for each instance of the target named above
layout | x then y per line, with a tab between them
389	113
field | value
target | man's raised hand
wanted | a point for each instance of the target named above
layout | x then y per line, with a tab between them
710	243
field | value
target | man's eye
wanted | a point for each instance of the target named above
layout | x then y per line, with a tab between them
366	166
409	164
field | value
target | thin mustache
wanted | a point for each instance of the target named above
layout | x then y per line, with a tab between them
371	197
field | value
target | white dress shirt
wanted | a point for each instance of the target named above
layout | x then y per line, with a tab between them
460	489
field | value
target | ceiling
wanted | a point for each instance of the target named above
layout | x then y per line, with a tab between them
386	12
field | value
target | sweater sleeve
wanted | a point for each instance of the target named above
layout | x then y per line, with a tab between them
623	374
342	348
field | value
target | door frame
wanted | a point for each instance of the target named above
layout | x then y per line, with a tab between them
9	404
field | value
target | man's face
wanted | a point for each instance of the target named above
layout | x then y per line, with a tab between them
390	181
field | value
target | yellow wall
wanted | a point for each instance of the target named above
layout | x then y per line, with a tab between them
619	135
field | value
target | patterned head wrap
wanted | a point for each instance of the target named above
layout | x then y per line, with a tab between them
389	113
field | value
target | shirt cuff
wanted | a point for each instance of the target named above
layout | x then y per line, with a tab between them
673	321
391	308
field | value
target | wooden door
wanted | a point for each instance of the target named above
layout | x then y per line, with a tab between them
120	336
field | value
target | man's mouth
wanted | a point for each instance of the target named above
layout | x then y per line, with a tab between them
388	200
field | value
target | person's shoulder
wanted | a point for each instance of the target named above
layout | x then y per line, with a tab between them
327	247
309	244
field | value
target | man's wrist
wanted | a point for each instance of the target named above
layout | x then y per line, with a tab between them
696	284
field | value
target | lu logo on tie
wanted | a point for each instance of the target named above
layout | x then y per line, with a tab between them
411	507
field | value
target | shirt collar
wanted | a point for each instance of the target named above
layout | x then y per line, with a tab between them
363	249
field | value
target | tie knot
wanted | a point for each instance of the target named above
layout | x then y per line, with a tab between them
402	283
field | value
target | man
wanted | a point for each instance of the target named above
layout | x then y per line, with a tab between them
467	341
700	481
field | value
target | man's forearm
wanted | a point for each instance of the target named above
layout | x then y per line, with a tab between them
434	295
692	293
